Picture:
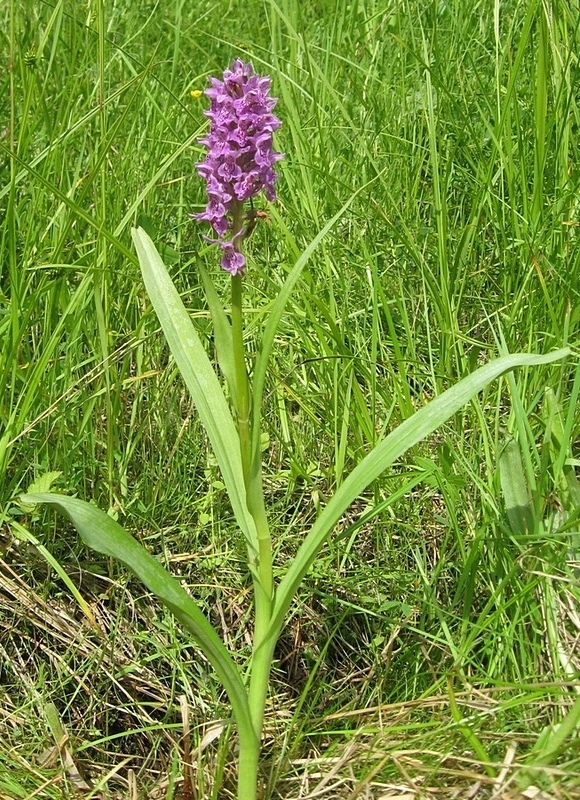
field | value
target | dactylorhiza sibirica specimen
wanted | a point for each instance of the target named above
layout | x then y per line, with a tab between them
241	157
240	165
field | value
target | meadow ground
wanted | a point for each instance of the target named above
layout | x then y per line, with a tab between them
433	650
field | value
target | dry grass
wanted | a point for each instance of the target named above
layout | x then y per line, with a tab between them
125	732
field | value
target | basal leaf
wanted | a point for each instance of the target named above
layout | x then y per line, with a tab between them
102	534
199	376
396	444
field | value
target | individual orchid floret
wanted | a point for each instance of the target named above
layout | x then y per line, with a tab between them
240	160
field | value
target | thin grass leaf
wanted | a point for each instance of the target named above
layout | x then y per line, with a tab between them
561	450
540	112
52	189
199	376
409	433
22	533
466	730
275	314
550	745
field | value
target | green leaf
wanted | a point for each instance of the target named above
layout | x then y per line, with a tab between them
199	377
43	483
515	489
102	534
274	316
561	452
22	533
54	723
550	745
167	253
396	444
222	331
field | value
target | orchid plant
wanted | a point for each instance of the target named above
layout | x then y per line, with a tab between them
240	165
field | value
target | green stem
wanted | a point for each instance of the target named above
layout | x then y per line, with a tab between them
242	384
256	507
261	664
263	644
252	471
248	761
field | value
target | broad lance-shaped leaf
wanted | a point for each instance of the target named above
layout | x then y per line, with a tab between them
516	492
199	377
102	534
393	446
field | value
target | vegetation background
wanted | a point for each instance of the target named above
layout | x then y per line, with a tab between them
436	652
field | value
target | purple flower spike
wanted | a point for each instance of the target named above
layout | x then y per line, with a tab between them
240	159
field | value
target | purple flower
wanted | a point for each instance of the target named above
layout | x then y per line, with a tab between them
232	260
240	159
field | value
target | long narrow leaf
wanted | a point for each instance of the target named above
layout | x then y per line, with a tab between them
23	533
222	331
199	376
561	451
550	745
102	534
275	314
408	434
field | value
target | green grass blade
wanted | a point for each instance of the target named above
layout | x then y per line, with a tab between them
558	737
25	535
199	376
102	534
409	433
561	450
550	746
52	189
466	729
540	113
261	365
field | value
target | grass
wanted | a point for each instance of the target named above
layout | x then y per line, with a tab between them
437	647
